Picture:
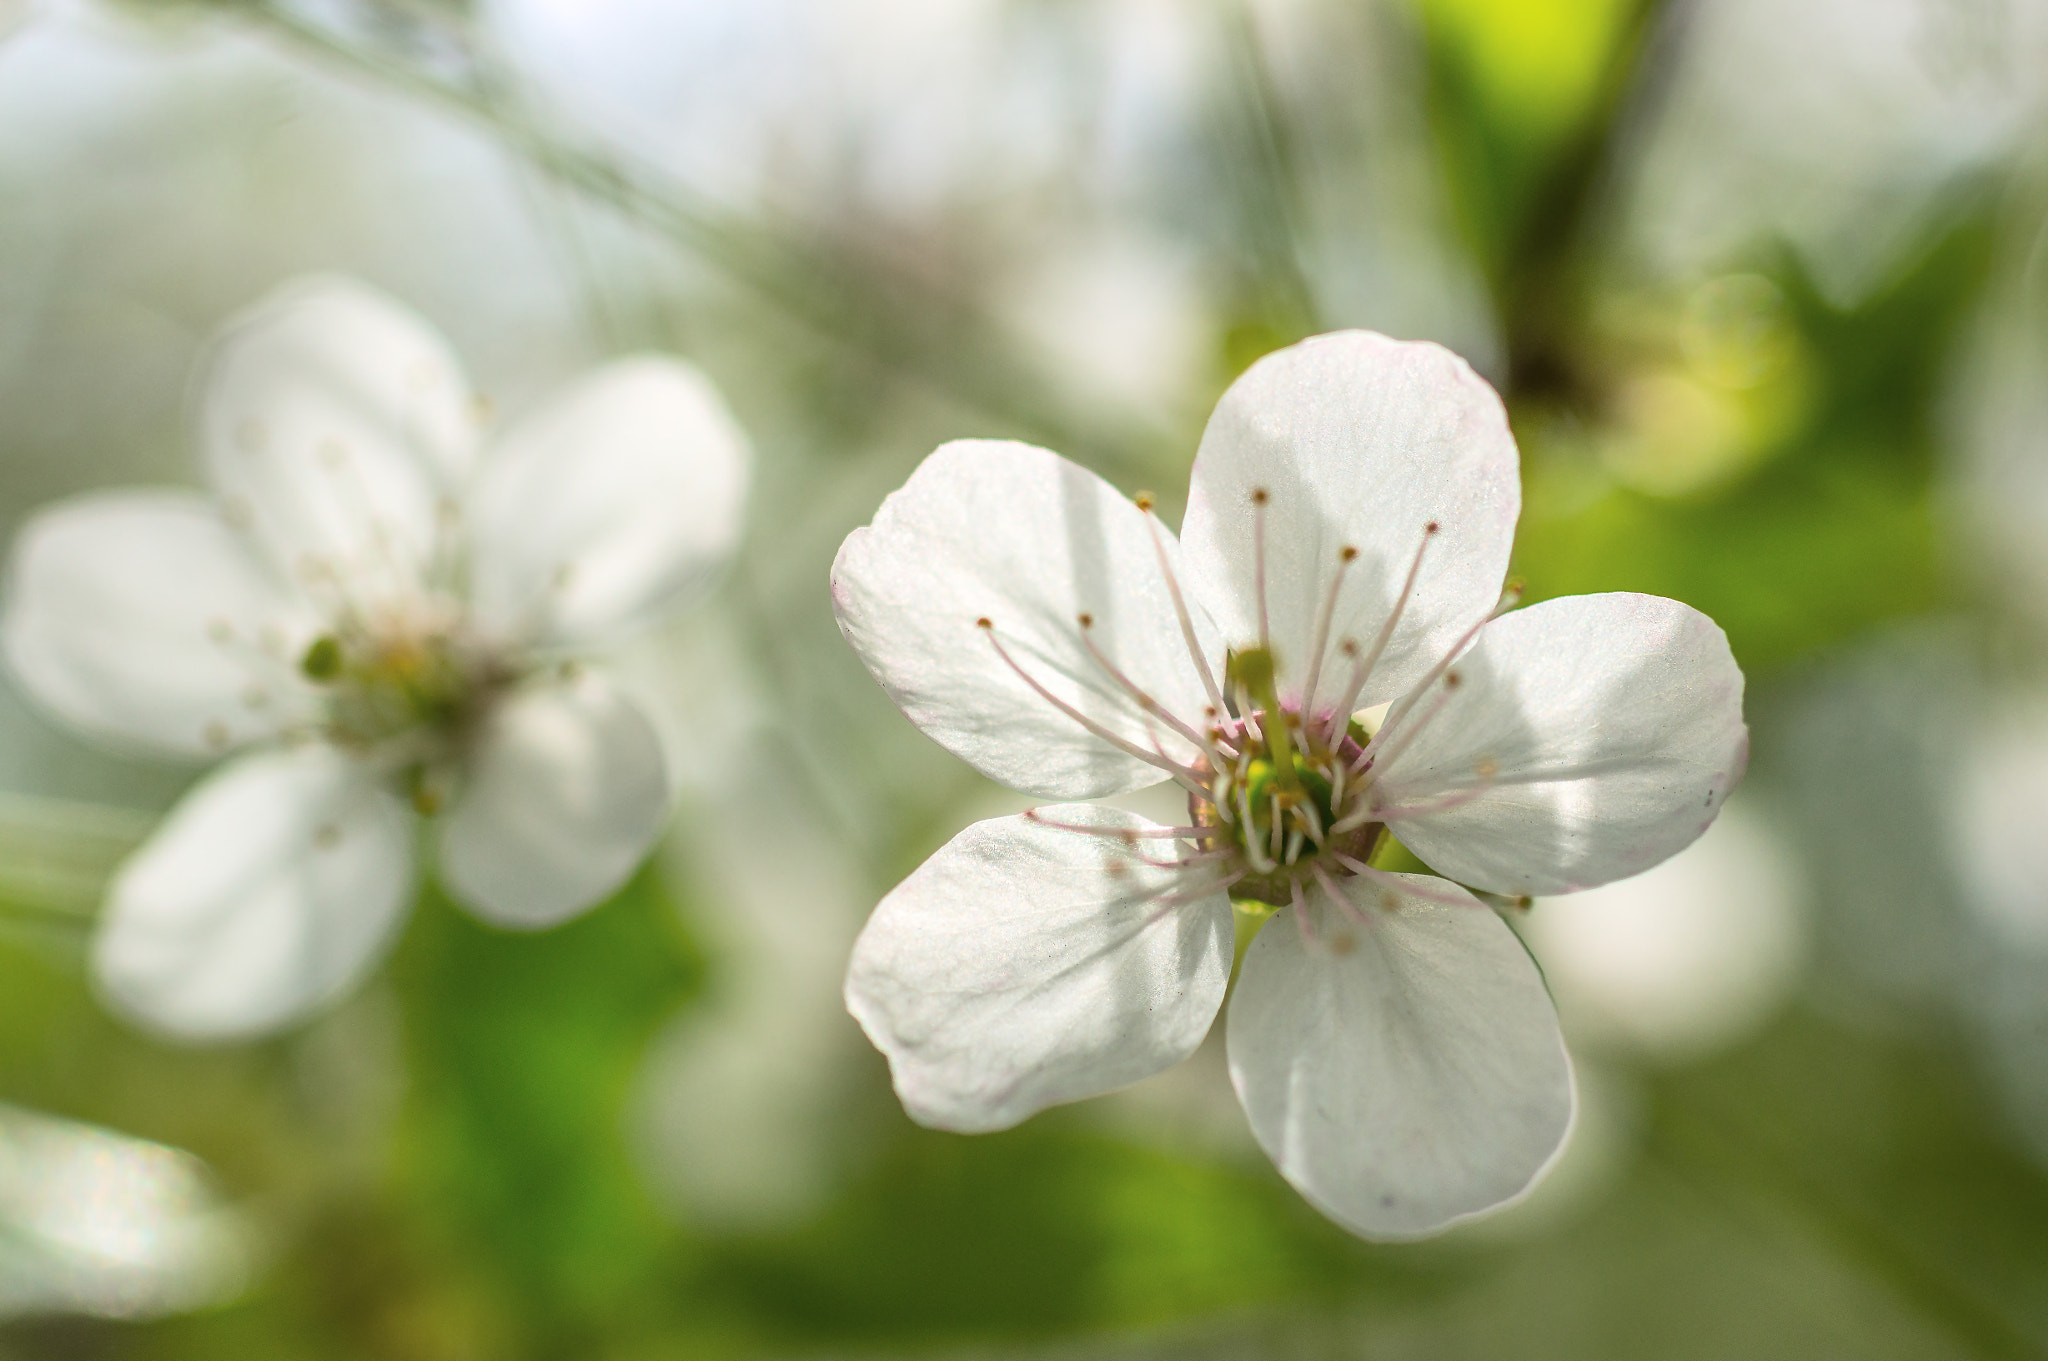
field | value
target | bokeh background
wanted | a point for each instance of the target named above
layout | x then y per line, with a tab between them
1765	285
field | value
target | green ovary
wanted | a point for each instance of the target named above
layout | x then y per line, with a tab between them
380	689
1263	780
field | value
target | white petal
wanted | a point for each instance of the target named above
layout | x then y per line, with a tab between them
1024	965
616	499
1362	442
1404	1071
272	886
563	799
987	529
142	617
339	423
1594	735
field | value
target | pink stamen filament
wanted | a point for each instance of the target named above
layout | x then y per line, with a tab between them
1301	922
1145	701
1340	717
1122	833
1399	713
1186	778
1400	884
1180	608
1345	557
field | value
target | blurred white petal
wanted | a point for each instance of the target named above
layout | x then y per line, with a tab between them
142	617
1686	958
1841	126
338	423
271	887
93	1222
2001	828
562	800
616	499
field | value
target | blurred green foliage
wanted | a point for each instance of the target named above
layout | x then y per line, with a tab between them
1840	1186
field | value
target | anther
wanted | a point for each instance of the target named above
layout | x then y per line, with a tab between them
1087	621
984	623
1144	500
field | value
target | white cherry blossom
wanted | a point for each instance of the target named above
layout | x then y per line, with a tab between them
374	613
1349	519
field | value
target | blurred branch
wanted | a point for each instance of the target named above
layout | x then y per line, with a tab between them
875	307
1543	275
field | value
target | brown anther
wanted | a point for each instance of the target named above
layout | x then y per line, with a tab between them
1343	943
1452	680
1430	528
1144	500
1347	554
1087	621
1349	647
1486	768
984	623
1259	496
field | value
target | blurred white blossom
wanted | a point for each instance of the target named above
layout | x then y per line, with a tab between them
1685	958
1839	126
95	1222
371	611
1349	519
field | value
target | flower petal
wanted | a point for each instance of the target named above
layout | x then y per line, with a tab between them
270	889
988	529
338	423
1026	964
614	500
142	617
1587	739
1403	1071
1358	442
564	797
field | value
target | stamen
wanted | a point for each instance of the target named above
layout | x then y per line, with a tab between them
1345	557
1182	897
1458	799
1180	773
1406	737
1198	858
1122	833
1308	932
1399	713
1341	898
1400	884
1180	605
1362	671
1145	701
1254	851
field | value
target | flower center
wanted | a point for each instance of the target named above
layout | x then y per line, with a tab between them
406	688
1285	804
